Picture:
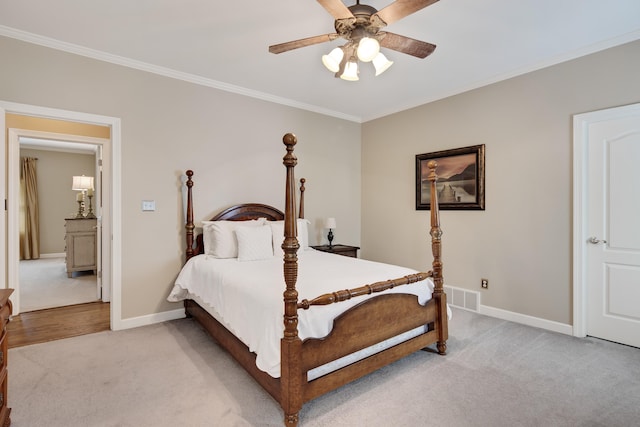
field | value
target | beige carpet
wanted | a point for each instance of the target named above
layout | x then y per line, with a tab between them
44	284
497	373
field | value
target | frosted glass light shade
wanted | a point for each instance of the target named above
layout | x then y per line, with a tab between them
330	223
82	183
333	59
368	48
350	72
381	63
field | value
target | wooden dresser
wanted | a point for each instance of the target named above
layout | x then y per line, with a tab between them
81	234
5	312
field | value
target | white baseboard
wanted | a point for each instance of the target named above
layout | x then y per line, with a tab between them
524	319
60	255
150	319
468	300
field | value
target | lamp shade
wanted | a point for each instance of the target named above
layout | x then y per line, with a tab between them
330	223
333	59
381	63
350	72
368	48
82	183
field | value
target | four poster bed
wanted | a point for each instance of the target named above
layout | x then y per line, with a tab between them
327	340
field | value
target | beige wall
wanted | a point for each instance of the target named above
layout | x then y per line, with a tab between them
522	241
233	143
56	199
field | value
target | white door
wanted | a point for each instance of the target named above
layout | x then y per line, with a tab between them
97	208
612	230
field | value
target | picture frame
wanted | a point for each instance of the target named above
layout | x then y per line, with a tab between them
460	183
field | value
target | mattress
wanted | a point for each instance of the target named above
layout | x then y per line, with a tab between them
246	297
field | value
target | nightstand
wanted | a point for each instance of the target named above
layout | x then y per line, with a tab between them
345	250
81	244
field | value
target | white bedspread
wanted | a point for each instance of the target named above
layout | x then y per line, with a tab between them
248	295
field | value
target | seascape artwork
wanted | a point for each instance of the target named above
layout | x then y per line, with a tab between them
460	178
456	179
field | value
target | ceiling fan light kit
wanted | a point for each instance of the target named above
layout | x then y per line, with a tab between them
360	26
369	53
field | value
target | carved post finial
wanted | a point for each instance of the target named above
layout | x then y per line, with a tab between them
289	140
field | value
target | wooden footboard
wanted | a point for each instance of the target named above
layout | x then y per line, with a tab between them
367	324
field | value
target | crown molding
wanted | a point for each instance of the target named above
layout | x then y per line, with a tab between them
166	72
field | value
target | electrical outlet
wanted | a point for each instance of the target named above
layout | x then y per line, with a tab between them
484	283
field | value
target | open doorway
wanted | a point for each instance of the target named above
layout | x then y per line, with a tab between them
14	174
59	254
13	117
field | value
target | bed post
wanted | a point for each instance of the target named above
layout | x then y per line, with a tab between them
301	211
189	225
436	247
291	346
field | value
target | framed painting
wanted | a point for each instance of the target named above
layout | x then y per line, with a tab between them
460	182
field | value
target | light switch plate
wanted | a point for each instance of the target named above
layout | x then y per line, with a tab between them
148	205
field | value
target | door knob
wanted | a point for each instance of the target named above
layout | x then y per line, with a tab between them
595	240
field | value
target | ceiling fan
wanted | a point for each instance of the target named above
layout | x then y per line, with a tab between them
360	25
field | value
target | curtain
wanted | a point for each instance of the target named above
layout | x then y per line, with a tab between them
29	222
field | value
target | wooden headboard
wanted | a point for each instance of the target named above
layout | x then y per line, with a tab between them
248	211
241	212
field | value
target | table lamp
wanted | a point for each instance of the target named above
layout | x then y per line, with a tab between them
330	223
82	184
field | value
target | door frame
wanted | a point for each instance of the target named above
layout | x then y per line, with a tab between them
111	245
13	183
581	123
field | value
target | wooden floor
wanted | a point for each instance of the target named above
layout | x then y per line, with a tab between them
57	323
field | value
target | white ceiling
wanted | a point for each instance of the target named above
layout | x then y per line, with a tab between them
225	44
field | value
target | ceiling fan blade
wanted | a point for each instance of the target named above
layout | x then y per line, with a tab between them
406	45
284	47
336	8
401	8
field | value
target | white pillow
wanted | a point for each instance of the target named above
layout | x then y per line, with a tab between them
277	229
220	239
254	243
